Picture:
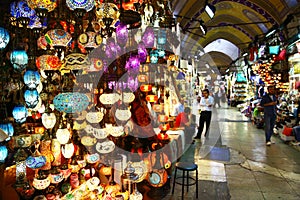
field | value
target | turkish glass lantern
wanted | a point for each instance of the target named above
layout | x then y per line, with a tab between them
142	52
3	153
32	79
161	37
133	65
4	38
63	135
76	61
161	53
21	10
48	62
19	59
8	129
48	120
71	102
58	37
31	98
146	88
151	98
87	5
42	4
122	34
20	113
148	37
154	56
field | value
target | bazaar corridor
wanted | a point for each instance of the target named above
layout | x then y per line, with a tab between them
235	163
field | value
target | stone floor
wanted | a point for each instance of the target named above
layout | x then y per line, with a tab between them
234	163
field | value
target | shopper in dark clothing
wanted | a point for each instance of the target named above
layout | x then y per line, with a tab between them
269	103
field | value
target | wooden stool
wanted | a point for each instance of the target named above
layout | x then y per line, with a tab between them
185	167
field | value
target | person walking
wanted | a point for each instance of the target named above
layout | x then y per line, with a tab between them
269	102
206	103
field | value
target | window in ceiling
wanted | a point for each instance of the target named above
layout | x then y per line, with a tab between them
291	3
224	46
254	18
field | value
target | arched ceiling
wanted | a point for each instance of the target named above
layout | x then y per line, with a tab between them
237	21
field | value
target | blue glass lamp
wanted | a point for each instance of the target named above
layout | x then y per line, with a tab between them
19	59
88	5
31	98
154	56
20	113
32	79
3	153
8	129
4	38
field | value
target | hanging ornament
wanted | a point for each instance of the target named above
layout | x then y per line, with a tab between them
31	98
3	153
20	113
71	102
19	59
122	34
148	37
4	38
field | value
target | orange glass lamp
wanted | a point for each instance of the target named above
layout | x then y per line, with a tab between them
164	127
151	98
163	135
146	88
163	118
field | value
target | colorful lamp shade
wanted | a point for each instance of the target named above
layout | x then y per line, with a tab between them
58	37
21	9
19	59
146	88
109	98
76	61
122	34
3	153
49	5
20	113
4	38
71	102
107	10
133	64
48	62
32	79
154	56
163	118
8	129
161	53
89	40
63	135
148	37
35	162
151	98
48	120
161	37
142	52
87	5
31	98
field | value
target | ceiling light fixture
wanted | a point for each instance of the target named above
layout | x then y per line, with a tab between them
203	27
210	10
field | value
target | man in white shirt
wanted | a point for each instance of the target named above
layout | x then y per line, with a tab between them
206	103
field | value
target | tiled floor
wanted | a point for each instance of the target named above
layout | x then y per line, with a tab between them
254	170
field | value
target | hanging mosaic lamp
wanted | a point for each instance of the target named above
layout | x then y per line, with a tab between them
8	129
48	62
49	5
3	153
31	98
154	56
146	88
48	120
76	61
133	64
63	135
122	34
151	98
22	12
108	11
4	38
20	113
87	5
71	102
142	52
19	59
58	37
32	79
161	37
148	37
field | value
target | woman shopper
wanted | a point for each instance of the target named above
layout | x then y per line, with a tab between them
269	102
206	104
